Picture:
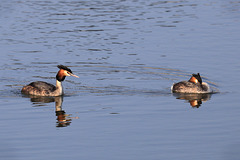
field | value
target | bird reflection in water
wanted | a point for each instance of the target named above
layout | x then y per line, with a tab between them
63	119
195	100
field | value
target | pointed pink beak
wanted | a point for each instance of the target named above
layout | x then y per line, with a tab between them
74	75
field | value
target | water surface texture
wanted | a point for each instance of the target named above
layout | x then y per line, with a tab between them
127	55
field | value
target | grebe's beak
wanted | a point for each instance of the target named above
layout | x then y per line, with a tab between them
73	75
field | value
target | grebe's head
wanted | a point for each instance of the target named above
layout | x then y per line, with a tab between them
196	78
63	72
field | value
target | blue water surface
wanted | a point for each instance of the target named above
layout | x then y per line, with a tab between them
127	55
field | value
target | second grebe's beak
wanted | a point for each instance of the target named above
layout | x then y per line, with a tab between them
73	75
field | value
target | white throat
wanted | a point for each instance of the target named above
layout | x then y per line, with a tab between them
59	88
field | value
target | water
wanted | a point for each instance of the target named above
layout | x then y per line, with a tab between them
127	54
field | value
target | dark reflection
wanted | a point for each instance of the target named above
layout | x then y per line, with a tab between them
63	119
194	99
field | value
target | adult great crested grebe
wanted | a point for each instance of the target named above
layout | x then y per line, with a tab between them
193	85
40	88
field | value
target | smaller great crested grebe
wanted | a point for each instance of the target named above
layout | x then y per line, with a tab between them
40	88
193	85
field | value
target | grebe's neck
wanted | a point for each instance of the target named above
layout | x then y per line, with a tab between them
59	89
59	78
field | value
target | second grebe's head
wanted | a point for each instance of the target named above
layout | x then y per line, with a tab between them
63	72
196	78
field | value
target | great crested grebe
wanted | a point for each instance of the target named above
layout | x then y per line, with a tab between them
40	88
193	85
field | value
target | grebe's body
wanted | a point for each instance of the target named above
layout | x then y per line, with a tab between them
40	88
193	85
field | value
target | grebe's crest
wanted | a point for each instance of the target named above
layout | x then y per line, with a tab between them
64	68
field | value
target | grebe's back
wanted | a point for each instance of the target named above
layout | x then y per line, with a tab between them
39	88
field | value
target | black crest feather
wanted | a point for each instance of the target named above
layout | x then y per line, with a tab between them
198	77
64	68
